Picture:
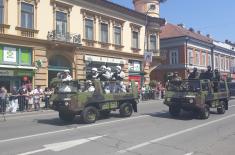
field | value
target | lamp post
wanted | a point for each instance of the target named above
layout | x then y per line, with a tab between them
152	7
186	54
212	57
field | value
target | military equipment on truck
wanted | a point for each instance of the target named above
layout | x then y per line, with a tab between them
71	98
197	95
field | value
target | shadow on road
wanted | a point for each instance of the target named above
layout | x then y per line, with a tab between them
185	116
77	120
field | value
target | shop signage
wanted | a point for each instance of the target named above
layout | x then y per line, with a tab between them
148	56
6	73
134	66
24	73
9	54
104	59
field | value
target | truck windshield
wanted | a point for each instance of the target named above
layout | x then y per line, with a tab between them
67	87
185	85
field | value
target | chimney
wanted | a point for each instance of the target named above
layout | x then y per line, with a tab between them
191	29
181	25
199	32
208	35
226	41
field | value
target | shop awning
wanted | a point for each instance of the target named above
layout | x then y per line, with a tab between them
18	67
104	59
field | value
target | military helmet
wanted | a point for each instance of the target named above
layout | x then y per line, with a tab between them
195	69
66	71
103	67
94	69
209	67
108	69
119	67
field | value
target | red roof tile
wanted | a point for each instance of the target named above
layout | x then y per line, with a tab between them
172	31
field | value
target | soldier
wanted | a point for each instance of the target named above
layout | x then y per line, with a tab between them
66	76
119	75
90	87
209	73
104	75
94	73
217	75
176	77
194	74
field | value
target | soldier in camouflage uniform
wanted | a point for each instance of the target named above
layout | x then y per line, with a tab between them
194	74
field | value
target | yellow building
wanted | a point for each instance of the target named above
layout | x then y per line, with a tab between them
39	38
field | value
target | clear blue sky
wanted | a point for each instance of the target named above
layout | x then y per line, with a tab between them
214	17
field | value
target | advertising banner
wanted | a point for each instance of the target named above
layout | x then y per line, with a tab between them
9	55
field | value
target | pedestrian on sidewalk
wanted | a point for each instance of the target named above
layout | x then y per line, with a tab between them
3	99
47	95
22	98
13	100
37	95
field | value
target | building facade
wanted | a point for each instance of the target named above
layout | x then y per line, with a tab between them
39	38
183	49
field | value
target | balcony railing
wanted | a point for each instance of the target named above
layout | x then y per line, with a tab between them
64	37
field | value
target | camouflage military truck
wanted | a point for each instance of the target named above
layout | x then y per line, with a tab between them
197	95
71	98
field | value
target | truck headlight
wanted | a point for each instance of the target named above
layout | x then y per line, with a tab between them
66	103
191	100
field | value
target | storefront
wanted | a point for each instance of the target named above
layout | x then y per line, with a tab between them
135	72
15	66
92	61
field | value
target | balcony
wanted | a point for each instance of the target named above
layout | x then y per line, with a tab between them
64	37
3	28
26	32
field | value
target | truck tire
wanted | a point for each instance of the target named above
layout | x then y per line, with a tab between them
221	109
66	116
174	110
126	109
89	115
204	112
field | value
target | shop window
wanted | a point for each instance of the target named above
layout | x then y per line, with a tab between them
1	12
25	56
27	15
89	29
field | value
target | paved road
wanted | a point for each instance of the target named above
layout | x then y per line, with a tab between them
151	131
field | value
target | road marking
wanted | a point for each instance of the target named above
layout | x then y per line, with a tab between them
56	147
75	128
231	106
27	116
174	134
191	153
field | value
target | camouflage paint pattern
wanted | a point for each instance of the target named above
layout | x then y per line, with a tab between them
199	98
77	101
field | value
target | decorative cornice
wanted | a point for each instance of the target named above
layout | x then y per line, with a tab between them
58	3
26	29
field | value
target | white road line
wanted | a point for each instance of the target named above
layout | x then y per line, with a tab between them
75	128
27	116
191	153
174	134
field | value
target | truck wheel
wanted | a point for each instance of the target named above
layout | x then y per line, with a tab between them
66	116
89	115
204	112
221	109
126	109
174	110
105	113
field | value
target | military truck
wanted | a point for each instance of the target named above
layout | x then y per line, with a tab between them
197	95
71	98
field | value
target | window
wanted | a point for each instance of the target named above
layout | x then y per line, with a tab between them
197	59
1	12
135	39
61	23
227	64
27	16
209	60
117	35
222	63
104	32
174	58
203	63
153	42
89	29
190	57
216	62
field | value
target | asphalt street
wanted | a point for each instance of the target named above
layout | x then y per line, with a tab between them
151	131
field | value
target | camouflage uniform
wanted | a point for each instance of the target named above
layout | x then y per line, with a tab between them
194	74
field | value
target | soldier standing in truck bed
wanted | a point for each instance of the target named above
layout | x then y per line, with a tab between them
194	74
209	73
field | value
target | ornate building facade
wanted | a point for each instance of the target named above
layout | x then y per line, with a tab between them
39	38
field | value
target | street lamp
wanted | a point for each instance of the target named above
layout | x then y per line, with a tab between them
152	7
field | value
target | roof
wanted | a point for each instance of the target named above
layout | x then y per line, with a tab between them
125	10
173	31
